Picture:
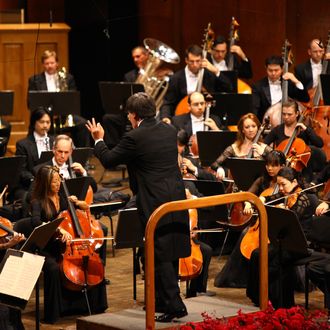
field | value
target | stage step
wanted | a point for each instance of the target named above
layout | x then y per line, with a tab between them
135	318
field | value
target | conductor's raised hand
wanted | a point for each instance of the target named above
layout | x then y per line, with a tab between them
96	129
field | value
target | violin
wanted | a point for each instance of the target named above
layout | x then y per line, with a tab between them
190	267
296	151
81	265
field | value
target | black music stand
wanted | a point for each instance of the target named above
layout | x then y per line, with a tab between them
6	103
325	83
130	234
10	167
232	77
115	94
81	155
34	244
231	107
245	171
211	144
285	233
77	186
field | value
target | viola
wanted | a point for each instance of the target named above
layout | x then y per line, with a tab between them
6	227
191	266
81	265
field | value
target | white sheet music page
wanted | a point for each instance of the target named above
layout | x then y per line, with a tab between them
20	274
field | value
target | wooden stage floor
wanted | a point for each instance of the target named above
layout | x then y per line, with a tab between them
119	271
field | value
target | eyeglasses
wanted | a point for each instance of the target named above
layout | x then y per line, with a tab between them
196	104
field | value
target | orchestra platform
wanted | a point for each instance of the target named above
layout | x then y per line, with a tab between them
135	318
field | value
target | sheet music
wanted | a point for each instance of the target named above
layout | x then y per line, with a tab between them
19	274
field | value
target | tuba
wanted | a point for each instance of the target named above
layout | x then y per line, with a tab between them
156	84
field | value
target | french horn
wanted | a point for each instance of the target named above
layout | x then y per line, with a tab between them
155	81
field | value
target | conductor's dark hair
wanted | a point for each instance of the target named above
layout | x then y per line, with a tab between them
36	115
183	138
142	104
278	60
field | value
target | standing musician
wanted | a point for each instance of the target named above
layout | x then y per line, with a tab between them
290	115
308	72
151	154
46	205
49	81
115	124
268	91
184	81
235	272
247	126
290	186
194	121
219	58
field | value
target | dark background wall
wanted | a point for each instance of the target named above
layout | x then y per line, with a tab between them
103	32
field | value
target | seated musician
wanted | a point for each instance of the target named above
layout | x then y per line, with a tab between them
219	57
10	318
247	126
194	121
290	115
235	271
184	81
37	141
290	185
46	205
268	91
50	80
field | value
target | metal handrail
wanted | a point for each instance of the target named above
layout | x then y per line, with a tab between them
199	203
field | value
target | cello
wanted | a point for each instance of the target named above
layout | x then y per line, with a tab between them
208	37
80	265
190	267
296	151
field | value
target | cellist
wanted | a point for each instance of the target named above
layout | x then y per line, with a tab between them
46	204
290	115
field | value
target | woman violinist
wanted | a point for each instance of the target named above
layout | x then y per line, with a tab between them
46	204
290	116
247	126
294	198
234	273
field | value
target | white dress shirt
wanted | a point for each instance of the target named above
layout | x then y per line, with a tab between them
192	80
42	143
197	124
316	71
52	82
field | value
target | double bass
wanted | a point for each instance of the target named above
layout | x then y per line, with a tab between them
81	265
208	37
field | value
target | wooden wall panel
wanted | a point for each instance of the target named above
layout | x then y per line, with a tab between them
264	24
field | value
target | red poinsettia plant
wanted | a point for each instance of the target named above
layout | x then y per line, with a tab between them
295	318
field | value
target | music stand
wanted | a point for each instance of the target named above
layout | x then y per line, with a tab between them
232	77
81	155
211	144
45	157
6	103
325	83
130	234
77	186
231	107
245	171
59	103
10	167
115	94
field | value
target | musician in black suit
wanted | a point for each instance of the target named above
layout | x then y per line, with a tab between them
308	72
150	152
185	81
115	125
219	57
268	91
49	81
194	121
32	146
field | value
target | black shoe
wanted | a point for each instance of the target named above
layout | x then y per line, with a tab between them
168	317
107	281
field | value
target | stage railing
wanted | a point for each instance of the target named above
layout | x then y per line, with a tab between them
199	203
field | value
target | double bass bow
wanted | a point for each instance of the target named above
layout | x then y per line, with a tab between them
81	265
